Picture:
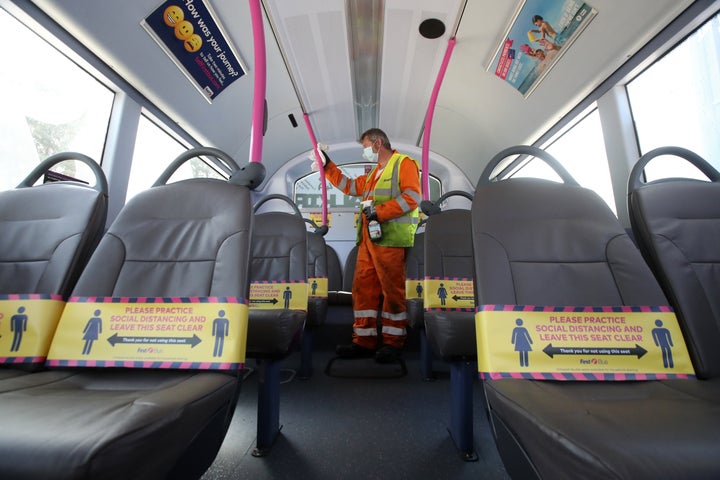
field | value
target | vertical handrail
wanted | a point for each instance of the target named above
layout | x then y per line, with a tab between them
321	170
428	120
258	112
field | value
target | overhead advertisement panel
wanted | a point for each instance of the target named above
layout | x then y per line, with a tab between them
190	34
539	34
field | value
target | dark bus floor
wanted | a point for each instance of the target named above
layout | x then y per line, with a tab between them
356	428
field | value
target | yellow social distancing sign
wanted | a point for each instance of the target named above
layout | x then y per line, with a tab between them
580	343
317	287
27	326
318	218
282	295
414	288
449	294
186	333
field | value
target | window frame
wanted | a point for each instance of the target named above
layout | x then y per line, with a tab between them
432	178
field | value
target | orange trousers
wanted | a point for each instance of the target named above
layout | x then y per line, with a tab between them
379	271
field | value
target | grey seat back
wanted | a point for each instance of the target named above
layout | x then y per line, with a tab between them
334	269
415	274
343	294
526	231
349	270
48	231
279	254
544	243
317	268
448	246
179	239
186	239
449	255
679	239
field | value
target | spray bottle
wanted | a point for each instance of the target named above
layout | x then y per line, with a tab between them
374	229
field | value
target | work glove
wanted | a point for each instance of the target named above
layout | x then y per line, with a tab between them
370	213
321	148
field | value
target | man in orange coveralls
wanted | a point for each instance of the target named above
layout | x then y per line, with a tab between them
393	186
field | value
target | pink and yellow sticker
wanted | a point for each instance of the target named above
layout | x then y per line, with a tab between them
448	294
279	295
414	288
318	218
580	343
317	287
186	333
27	326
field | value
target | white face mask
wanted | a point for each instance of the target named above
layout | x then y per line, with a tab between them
369	155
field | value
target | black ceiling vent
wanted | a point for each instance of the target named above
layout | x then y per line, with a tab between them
432	28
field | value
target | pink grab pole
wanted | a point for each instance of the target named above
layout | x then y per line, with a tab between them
428	120
258	109
320	167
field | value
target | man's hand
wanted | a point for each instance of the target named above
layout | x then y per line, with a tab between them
370	213
321	148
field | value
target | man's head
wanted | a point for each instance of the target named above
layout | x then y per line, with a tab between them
376	146
375	137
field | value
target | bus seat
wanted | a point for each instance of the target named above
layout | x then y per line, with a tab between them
449	254
317	268
539	242
349	270
47	233
317	305
451	332
344	295
414	275
679	239
334	274
279	254
189	238
414	272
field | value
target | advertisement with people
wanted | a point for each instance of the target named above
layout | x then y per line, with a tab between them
539	34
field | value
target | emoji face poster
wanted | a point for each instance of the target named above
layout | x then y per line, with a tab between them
188	32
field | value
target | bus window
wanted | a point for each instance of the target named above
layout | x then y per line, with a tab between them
581	150
50	105
676	101
308	192
154	150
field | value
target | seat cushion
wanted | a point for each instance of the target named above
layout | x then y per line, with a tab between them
274	333
601	430
98	419
451	334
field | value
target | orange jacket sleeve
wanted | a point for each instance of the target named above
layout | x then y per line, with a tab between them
348	186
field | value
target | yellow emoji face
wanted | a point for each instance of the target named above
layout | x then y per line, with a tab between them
173	15
183	30
193	43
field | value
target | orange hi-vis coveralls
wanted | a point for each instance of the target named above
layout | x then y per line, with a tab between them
380	267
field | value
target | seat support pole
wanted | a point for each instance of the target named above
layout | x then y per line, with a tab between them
462	375
426	357
268	412
306	348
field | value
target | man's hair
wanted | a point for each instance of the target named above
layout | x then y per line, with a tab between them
373	134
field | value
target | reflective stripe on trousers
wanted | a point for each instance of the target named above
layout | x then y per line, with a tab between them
379	270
